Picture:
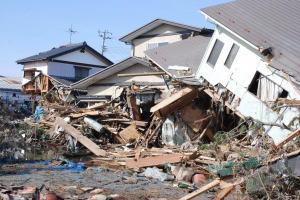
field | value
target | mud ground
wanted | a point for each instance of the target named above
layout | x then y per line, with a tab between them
67	183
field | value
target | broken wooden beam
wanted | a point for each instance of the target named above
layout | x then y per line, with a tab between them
175	101
142	74
90	113
79	137
201	190
155	160
288	138
221	195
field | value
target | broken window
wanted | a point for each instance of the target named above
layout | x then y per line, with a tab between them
215	53
81	72
265	89
231	56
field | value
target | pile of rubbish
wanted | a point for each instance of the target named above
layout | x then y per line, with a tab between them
187	138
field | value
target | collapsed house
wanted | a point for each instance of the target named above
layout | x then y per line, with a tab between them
252	62
60	66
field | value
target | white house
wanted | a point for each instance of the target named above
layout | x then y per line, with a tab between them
254	55
159	32
69	63
10	91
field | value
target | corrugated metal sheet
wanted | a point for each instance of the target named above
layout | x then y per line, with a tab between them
10	83
187	53
265	23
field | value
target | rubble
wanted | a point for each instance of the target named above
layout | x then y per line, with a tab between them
188	138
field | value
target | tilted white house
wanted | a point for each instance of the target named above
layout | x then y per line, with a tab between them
67	64
255	54
158	33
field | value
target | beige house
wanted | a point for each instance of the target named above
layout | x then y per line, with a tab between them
106	84
160	33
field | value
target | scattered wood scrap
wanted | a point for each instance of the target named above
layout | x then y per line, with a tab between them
288	138
155	160
79	137
221	195
130	134
201	190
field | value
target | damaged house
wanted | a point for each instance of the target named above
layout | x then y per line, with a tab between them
133	72
60	67
10	91
158	33
252	62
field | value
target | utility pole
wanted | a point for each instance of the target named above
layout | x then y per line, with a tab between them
105	35
71	31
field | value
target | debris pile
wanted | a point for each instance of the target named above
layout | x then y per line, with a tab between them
187	138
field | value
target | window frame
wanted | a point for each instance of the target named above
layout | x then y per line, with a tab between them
218	53
231	57
83	69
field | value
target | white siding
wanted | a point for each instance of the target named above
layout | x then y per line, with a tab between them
77	56
67	70
109	90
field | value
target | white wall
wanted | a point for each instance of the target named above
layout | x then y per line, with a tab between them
110	90
67	70
86	57
13	96
238	78
41	66
140	45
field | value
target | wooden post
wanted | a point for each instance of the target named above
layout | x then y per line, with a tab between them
135	110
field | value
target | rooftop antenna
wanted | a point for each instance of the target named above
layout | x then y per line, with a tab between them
71	31
105	35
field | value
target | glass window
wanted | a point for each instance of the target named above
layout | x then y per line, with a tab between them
163	44
81	73
231	56
215	53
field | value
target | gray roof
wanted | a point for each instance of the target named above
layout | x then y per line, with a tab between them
10	83
109	71
66	81
265	23
187	53
157	22
55	52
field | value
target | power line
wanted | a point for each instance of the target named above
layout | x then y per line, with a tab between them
105	35
71	31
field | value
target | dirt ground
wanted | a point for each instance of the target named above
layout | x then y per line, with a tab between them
67	182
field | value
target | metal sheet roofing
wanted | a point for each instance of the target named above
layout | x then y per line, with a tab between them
10	83
55	52
187	53
267	23
154	24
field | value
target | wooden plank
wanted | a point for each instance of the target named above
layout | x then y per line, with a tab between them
175	101
90	113
130	134
131	100
142	74
154	161
221	195
201	190
288	138
79	137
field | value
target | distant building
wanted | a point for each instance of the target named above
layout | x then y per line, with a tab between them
10	91
66	64
158	33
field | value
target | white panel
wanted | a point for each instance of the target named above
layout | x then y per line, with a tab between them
80	57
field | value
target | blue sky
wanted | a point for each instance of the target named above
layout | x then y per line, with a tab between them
31	26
